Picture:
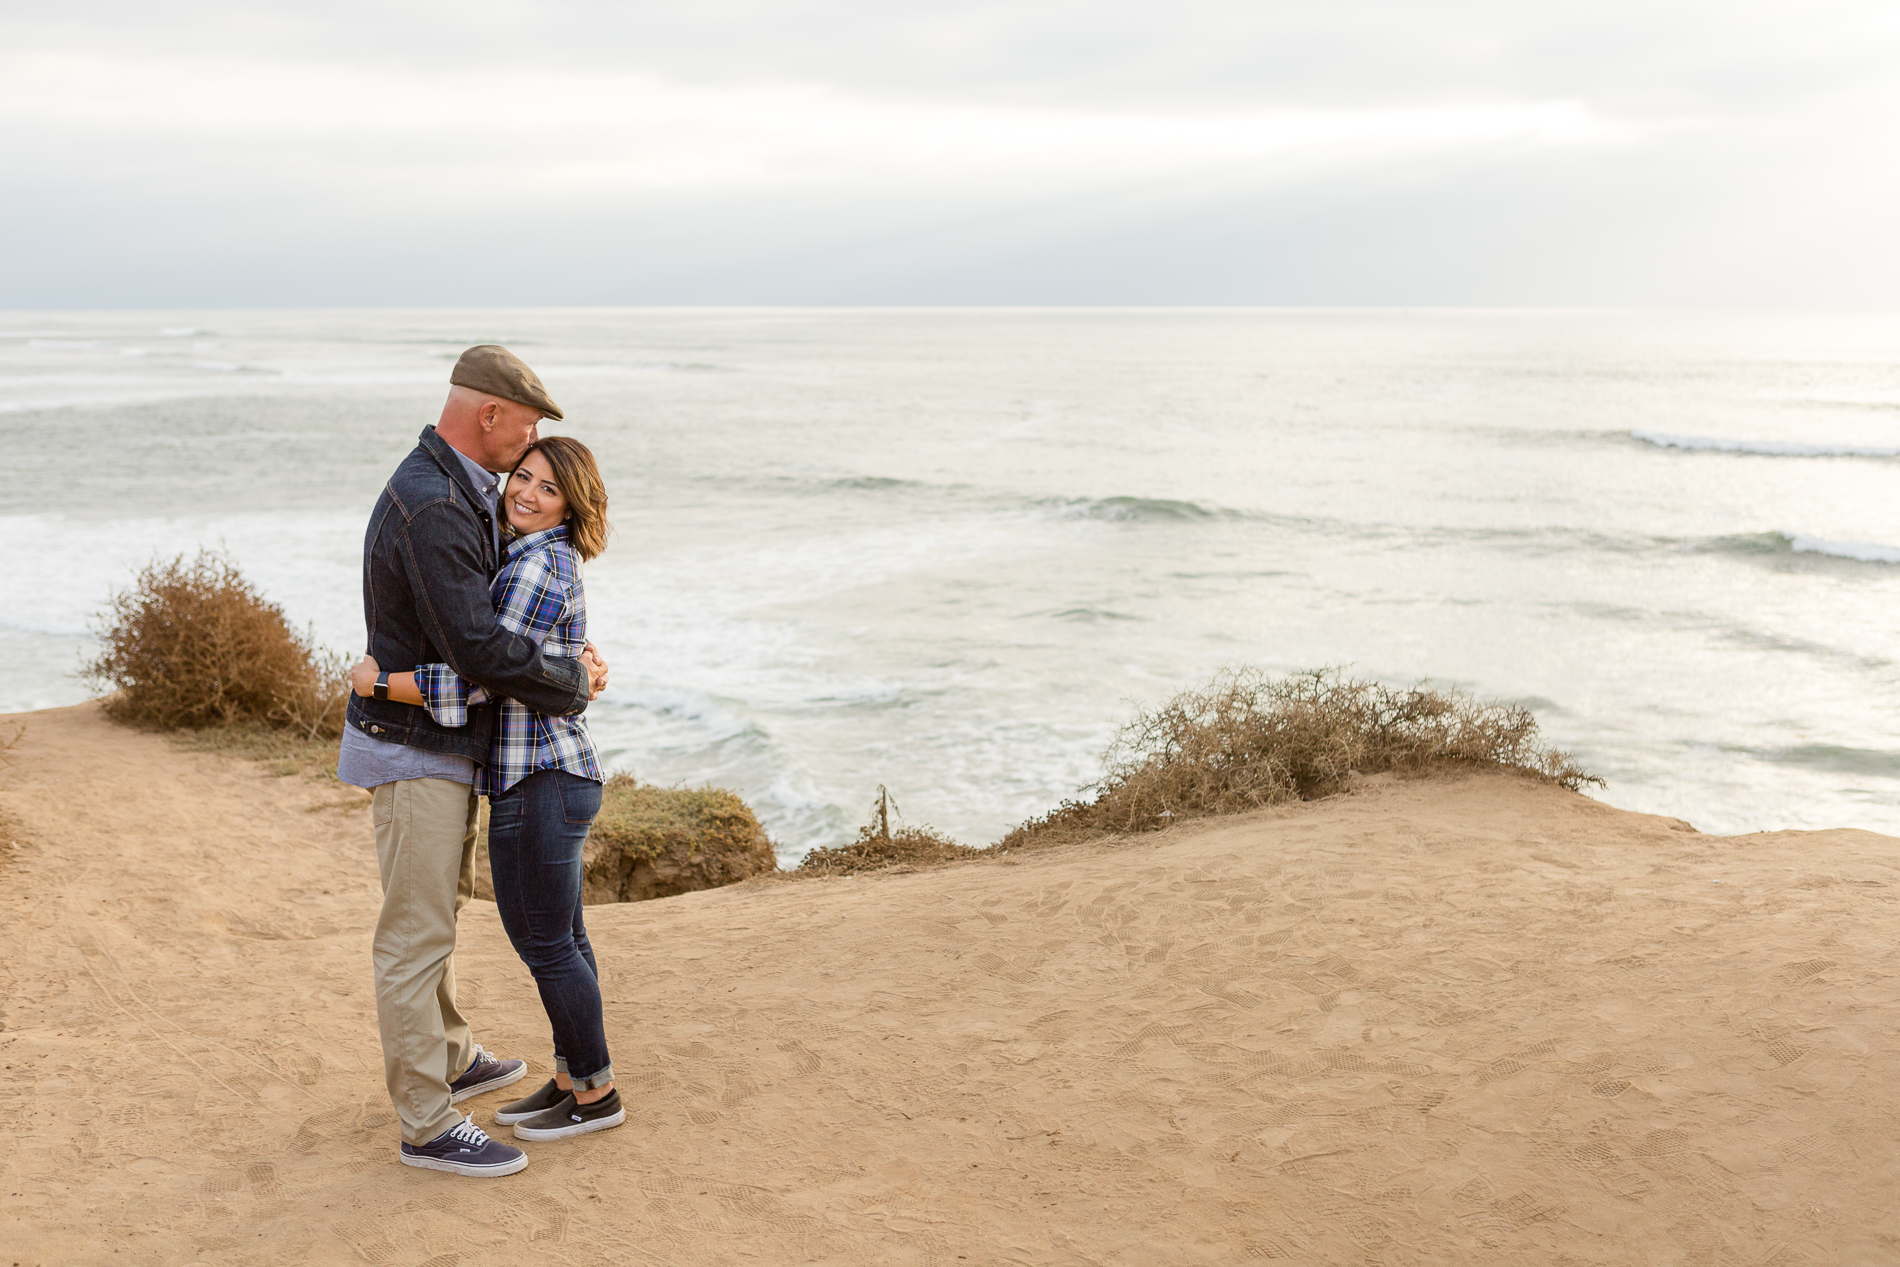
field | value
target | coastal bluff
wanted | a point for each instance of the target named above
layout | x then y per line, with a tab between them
1452	1020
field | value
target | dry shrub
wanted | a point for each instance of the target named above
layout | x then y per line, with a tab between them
907	846
651	841
191	645
1248	740
878	847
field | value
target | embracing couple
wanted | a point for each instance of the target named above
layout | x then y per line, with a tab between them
477	674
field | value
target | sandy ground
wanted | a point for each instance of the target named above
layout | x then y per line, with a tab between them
1475	1021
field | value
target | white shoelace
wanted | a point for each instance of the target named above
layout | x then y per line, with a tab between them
469	1133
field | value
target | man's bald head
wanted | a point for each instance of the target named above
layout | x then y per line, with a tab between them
491	431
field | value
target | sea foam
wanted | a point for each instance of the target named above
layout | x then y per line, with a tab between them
1763	448
1861	551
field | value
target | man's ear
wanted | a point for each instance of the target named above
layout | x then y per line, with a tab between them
490	411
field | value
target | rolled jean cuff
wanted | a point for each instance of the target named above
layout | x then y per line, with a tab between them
593	1081
588	1083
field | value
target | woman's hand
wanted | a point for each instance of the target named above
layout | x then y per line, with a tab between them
363	676
596	671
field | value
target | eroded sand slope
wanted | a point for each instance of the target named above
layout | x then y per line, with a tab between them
1475	1021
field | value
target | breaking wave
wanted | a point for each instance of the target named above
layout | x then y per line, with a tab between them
1133	509
1764	448
1836	759
1790	543
1859	551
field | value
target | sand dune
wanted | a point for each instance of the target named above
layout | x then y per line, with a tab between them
1469	1021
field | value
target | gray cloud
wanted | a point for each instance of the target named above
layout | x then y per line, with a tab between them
853	152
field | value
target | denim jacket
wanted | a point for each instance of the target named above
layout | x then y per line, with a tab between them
428	558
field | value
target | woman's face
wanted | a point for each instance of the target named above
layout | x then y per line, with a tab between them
532	500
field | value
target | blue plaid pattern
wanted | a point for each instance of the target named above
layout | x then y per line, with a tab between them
538	595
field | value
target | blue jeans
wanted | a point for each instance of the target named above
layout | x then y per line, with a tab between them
535	833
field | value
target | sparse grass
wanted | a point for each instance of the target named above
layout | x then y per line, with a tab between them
1245	741
878	847
1248	740
11	742
12	841
12	835
282	752
194	645
907	846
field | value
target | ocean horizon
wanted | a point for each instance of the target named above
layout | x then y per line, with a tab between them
951	550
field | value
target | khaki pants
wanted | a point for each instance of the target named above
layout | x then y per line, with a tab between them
425	849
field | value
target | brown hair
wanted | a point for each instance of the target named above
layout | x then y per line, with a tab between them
578	478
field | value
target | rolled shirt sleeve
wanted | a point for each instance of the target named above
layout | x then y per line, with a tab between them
446	694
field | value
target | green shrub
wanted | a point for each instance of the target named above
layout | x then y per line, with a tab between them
651	841
191	645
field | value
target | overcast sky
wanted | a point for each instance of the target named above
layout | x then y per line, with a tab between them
975	151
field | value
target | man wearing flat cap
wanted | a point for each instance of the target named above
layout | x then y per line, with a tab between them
433	546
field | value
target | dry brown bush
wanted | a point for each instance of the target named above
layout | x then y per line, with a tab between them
191	645
1248	740
878	847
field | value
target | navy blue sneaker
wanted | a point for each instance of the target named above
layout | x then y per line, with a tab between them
485	1073
465	1150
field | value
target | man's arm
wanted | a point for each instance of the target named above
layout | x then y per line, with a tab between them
444	565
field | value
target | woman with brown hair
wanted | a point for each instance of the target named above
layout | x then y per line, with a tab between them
542	778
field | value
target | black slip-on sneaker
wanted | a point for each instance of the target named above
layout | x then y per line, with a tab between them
549	1096
465	1149
485	1073
570	1117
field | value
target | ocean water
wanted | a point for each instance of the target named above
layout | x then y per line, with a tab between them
951	551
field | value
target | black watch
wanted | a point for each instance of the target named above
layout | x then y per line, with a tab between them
381	689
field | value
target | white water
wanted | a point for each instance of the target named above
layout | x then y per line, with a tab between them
948	551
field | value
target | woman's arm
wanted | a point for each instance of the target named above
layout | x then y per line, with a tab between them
402	686
448	698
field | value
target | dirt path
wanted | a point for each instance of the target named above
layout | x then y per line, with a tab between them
1449	1022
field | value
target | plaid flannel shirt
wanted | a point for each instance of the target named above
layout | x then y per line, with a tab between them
538	595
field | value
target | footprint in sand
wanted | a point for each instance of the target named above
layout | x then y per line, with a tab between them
997	966
540	1216
367	1238
804	1060
317	1128
1500	1070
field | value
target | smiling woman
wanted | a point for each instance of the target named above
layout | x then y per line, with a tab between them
559	482
535	501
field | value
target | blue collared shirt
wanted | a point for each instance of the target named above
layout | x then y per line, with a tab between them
488	485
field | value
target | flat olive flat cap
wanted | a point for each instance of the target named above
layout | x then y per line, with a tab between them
495	371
